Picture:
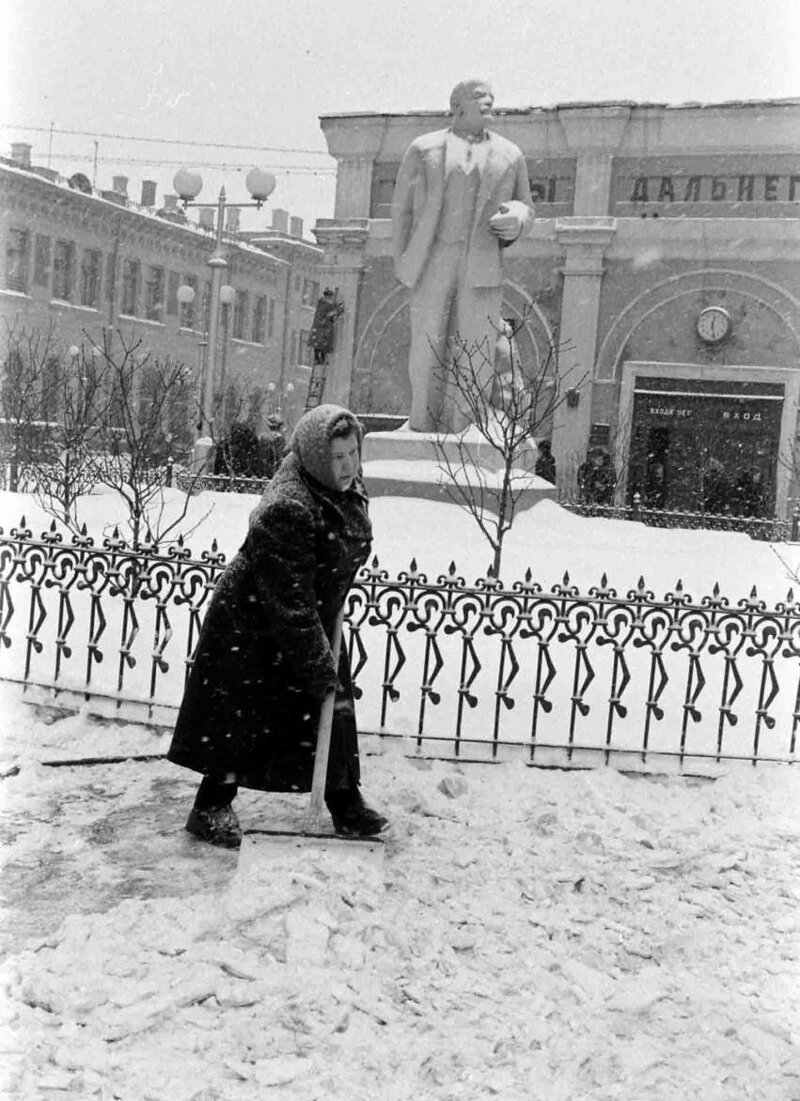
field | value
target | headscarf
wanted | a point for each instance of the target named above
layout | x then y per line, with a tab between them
311	440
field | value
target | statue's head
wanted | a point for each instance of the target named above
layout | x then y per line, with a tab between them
472	97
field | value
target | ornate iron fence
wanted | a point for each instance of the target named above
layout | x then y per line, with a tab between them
474	671
771	528
217	483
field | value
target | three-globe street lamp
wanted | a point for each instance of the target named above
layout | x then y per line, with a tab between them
188	185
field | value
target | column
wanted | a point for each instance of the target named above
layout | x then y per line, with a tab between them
353	187
355	147
593	183
584	241
343	262
594	134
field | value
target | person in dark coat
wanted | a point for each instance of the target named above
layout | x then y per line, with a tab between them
264	661
273	445
545	463
596	478
717	489
320	338
238	455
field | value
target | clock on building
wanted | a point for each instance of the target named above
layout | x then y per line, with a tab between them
714	324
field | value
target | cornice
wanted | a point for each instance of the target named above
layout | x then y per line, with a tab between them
588	233
351	233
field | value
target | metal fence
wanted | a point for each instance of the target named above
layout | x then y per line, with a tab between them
475	671
770	528
216	483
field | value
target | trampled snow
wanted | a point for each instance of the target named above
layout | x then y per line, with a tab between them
528	933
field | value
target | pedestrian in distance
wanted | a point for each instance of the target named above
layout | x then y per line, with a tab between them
545	463
717	488
272	445
596	478
238	454
264	660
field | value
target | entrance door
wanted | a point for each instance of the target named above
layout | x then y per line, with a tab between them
705	446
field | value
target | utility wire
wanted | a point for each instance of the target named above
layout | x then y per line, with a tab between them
289	169
163	141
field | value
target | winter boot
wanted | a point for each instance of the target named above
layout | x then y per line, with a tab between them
216	825
351	815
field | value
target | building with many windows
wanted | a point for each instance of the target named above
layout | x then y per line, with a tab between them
664	264
86	264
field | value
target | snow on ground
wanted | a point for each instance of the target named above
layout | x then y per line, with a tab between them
527	934
547	538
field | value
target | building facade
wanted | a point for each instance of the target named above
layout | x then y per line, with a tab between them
91	265
663	265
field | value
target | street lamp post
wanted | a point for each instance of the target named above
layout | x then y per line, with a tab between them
188	185
227	296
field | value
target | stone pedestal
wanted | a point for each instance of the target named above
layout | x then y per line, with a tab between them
408	464
203	455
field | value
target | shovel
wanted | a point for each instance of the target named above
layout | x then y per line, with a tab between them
317	830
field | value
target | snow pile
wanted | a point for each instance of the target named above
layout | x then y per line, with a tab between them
528	934
547	538
49	733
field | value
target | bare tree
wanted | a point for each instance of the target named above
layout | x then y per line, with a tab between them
145	406
52	415
99	414
21	382
508	409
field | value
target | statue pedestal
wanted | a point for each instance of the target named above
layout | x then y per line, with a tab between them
202	461
407	464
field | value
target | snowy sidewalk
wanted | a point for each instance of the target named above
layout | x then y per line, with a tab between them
533	935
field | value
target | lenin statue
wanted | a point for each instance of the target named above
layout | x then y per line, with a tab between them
462	195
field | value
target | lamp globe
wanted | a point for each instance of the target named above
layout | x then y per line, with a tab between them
260	184
187	183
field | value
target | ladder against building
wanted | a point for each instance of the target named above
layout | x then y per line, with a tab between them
316	385
321	340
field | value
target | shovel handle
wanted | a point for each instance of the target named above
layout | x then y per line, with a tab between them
324	730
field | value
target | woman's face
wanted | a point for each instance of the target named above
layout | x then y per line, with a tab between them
345	460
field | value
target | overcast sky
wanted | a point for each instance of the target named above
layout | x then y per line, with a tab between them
261	72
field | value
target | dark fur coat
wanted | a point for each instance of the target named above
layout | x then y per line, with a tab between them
263	662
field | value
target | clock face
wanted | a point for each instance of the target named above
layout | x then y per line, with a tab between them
713	324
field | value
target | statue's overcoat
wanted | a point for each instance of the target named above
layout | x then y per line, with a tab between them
419	195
